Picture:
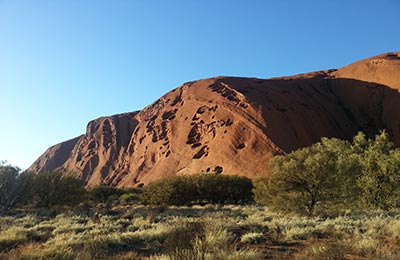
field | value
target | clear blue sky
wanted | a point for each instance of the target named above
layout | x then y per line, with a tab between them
64	63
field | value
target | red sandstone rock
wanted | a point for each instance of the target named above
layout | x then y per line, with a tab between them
233	125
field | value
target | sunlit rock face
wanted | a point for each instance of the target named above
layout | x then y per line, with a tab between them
230	125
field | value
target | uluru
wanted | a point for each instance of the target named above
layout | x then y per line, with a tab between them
232	125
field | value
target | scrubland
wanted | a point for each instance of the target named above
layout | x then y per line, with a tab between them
333	200
209	232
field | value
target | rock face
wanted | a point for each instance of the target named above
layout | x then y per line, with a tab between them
233	125
93	155
383	69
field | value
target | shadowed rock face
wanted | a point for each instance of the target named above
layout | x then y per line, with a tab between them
233	125
94	155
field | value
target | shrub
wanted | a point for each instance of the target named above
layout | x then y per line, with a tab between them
14	186
311	178
110	194
328	177
55	189
199	189
261	193
129	198
104	194
380	178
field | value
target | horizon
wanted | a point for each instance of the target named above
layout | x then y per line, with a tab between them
66	63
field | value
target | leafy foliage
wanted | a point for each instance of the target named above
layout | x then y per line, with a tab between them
308	178
103	194
113	195
130	198
380	165
14	186
54	189
331	175
199	189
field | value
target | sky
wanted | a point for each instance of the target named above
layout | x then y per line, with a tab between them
64	63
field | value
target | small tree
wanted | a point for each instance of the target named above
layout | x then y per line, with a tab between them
54	189
334	174
316	177
14	186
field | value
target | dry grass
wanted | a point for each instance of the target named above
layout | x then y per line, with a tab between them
199	233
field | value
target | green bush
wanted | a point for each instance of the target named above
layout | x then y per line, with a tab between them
104	194
169	191
130	198
110	194
55	189
199	189
333	176
14	186
380	166
308	179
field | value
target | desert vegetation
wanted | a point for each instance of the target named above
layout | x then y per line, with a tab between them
199	189
198	232
334	176
333	200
